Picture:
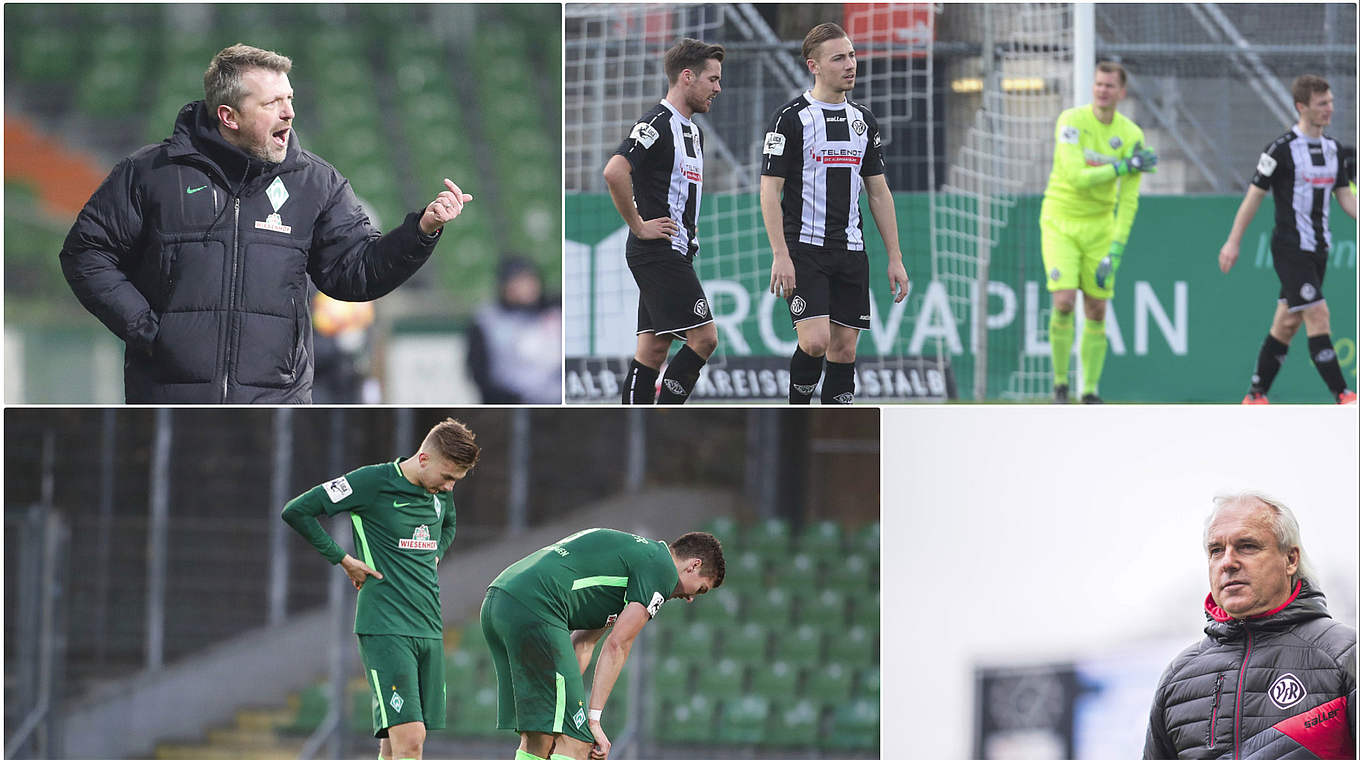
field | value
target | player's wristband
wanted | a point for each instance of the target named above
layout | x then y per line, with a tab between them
595	715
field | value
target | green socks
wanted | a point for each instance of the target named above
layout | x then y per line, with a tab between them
1062	331
1093	345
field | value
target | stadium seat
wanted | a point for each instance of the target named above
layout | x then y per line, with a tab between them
471	636
794	723
743	720
745	572
670	680
827	608
722	608
864	610
747	643
773	608
831	682
725	529
855	647
688	721
726	676
801	644
822	540
868	683
867	539
312	707
360	718
476	716
462	668
770	538
694	643
800	572
854	725
853	575
777	680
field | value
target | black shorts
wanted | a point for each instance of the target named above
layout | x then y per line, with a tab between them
670	298
831	282
1300	274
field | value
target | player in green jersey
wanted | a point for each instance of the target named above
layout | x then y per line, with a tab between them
544	614
1088	210
404	521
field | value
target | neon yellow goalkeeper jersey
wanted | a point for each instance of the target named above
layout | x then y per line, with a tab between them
1083	184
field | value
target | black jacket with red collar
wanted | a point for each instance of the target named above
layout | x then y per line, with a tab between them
1277	686
197	256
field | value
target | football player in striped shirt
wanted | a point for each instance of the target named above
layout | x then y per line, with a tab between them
1300	168
656	180
821	151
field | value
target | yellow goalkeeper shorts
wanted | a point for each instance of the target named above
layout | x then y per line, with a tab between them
1073	249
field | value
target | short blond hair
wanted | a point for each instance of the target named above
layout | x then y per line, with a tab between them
222	85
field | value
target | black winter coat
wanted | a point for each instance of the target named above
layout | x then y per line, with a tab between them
197	257
1278	686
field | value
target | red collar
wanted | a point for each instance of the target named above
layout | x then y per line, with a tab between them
1218	614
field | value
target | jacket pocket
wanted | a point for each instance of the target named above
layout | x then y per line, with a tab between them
185	349
272	349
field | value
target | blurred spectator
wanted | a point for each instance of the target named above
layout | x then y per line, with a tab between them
341	349
515	343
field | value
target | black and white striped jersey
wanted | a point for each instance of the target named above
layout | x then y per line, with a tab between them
1301	173
666	151
823	151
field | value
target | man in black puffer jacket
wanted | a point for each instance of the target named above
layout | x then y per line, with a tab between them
1274	679
196	251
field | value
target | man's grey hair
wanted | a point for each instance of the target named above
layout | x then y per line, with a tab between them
1282	523
222	83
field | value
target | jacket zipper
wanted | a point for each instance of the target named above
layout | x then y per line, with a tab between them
1237	705
1213	716
231	293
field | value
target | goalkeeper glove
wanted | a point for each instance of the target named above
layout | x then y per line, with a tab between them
1105	271
1141	160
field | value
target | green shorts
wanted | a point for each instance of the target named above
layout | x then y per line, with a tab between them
1073	249
538	679
406	677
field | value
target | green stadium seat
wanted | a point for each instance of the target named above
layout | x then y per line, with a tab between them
689	721
799	572
747	643
471	636
670	680
722	608
769	537
864	611
855	647
694	643
795	723
853	575
801	644
773	608
777	680
822	540
854	725
867	539
360	718
831	682
745	572
827	608
725	529
726	676
476	716
312	707
868	683
463	668
744	720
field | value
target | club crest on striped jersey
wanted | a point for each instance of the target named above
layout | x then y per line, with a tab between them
1287	690
859	126
419	540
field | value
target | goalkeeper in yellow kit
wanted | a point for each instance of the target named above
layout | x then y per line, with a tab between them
1088	210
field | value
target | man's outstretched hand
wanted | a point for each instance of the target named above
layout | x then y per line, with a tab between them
444	208
357	571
